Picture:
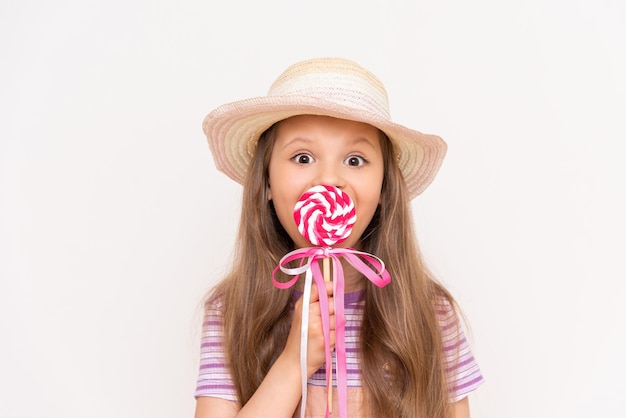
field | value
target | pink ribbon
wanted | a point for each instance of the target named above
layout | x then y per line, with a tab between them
375	272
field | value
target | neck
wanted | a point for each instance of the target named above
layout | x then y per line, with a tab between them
353	279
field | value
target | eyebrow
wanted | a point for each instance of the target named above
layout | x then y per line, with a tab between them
297	140
362	140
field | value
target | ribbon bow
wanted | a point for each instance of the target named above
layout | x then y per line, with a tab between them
375	272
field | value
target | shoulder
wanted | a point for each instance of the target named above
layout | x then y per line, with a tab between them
464	375
214	304
447	316
213	321
444	308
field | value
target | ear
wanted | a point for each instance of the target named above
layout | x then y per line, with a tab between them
268	192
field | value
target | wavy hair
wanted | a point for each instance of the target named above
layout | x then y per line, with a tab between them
400	337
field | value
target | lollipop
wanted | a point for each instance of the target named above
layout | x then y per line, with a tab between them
325	215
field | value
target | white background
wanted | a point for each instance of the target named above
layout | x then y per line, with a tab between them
114	221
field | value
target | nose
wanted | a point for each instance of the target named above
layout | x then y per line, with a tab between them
331	175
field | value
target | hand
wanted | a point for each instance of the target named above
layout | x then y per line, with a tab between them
316	355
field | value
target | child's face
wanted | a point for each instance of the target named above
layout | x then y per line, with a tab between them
311	150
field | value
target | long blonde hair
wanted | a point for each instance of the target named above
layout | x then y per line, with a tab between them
400	336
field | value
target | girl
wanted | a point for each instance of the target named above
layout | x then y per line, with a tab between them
326	121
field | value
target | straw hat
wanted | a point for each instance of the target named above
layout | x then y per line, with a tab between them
326	86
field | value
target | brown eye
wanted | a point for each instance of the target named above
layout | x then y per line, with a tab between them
303	158
355	161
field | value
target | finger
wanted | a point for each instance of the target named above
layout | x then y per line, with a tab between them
331	306
315	291
331	339
329	288
315	308
297	307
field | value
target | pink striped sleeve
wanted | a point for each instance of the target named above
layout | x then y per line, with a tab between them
214	377
464	375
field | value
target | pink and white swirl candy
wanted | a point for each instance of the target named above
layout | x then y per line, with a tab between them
325	215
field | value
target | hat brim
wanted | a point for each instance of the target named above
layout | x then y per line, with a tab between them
233	130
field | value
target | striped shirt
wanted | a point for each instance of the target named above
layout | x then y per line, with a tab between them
215	380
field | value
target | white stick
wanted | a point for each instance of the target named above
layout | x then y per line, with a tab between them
326	272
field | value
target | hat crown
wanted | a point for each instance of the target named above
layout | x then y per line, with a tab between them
333	87
336	80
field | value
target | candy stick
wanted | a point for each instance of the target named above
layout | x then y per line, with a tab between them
326	272
325	216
